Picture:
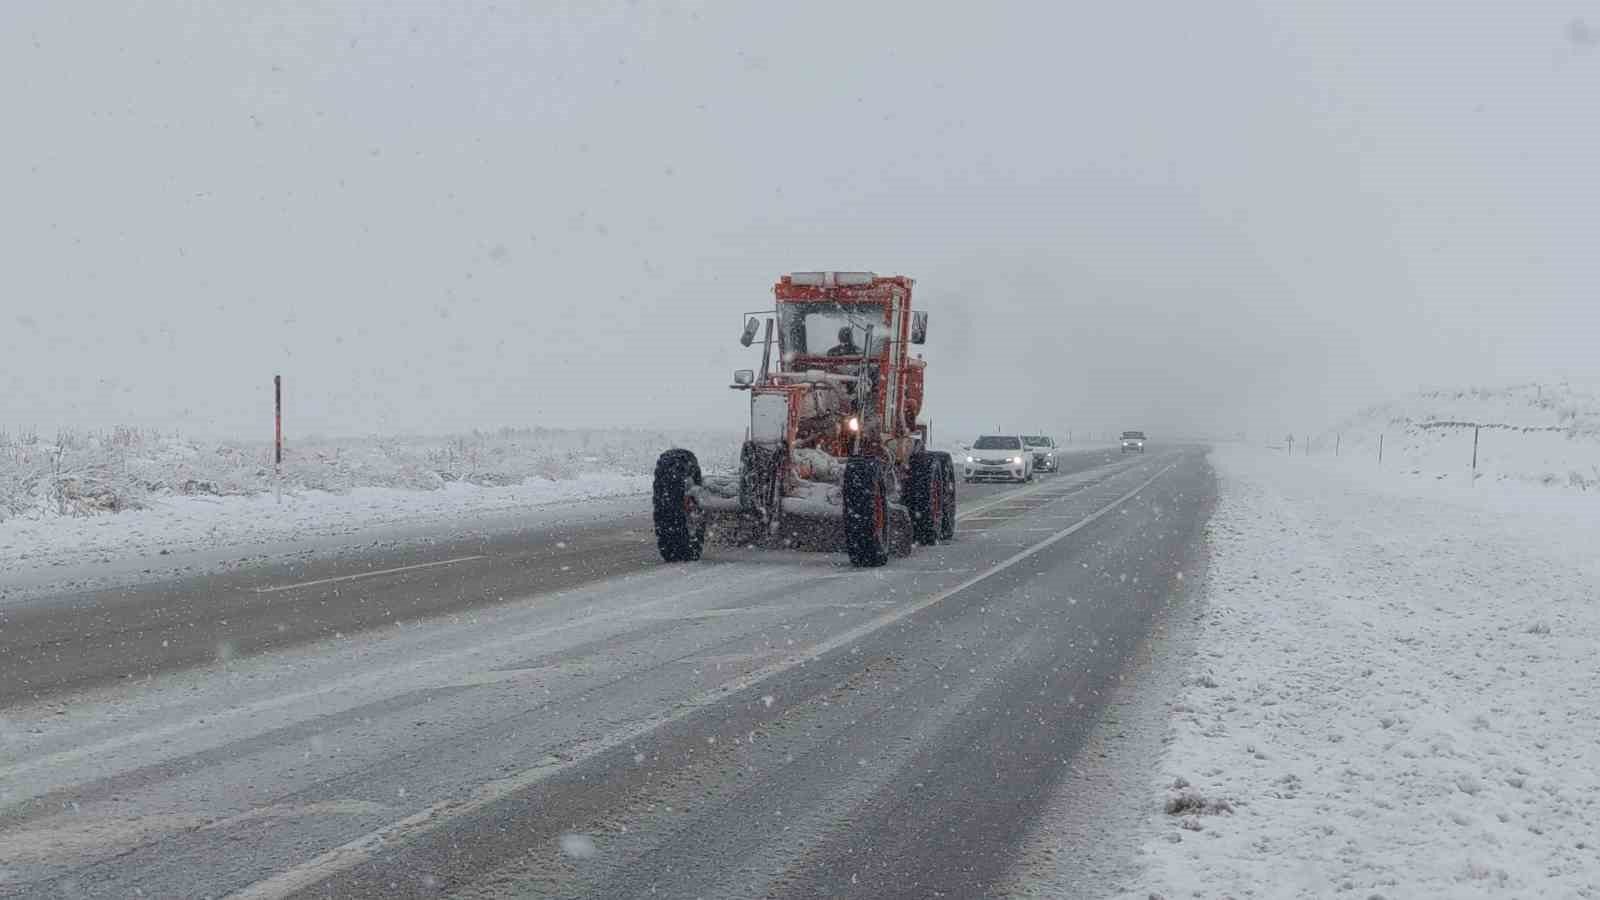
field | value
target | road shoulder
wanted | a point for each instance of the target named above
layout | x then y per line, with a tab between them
1086	841
1393	696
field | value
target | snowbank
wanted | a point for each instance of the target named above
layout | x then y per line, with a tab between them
1543	433
97	498
1395	692
80	473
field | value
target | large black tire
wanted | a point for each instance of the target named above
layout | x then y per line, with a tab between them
761	472
924	494
947	505
866	512
680	525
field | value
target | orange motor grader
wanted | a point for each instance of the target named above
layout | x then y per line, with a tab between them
835	453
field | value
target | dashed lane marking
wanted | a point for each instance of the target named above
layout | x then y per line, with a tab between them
373	574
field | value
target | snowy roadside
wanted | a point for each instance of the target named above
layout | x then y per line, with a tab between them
179	525
184	505
1394	693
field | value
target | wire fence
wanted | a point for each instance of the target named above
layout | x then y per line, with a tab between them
1475	449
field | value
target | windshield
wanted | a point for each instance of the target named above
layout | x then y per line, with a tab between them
829	329
1036	440
997	442
1133	435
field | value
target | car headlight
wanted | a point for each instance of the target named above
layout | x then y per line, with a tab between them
969	459
1016	460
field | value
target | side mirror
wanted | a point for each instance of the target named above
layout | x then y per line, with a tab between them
750	326
919	328
744	377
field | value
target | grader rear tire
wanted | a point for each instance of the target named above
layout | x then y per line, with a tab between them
925	492
947	504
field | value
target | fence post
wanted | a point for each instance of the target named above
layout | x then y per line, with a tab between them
1337	440
1380	449
277	439
1291	445
1475	429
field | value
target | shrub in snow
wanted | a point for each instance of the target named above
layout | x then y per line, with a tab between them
1188	800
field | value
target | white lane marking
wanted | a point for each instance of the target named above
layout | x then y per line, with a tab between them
61	838
353	853
374	573
1068	485
363	681
1015	505
1007	497
726	611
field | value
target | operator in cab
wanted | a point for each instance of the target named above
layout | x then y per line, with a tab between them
847	344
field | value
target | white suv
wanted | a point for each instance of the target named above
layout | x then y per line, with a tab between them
1132	440
999	456
1044	451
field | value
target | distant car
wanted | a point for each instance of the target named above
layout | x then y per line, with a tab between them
1132	440
998	456
1044	451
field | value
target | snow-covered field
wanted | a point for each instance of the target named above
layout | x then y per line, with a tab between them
1395	692
1543	433
77	498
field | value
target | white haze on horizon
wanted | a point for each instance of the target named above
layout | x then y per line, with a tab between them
1182	217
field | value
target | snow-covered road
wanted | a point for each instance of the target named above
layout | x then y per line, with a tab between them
739	727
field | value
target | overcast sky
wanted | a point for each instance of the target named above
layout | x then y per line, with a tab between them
1174	215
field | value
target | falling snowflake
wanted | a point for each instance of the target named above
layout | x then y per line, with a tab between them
578	846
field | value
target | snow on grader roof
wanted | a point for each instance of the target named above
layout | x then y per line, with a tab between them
831	279
833	437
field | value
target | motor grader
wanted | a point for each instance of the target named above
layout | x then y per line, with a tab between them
835	457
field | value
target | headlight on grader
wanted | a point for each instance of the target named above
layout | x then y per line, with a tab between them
811	474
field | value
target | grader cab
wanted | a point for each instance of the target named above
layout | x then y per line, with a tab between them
835	453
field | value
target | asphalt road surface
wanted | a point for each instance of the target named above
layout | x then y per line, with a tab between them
551	711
